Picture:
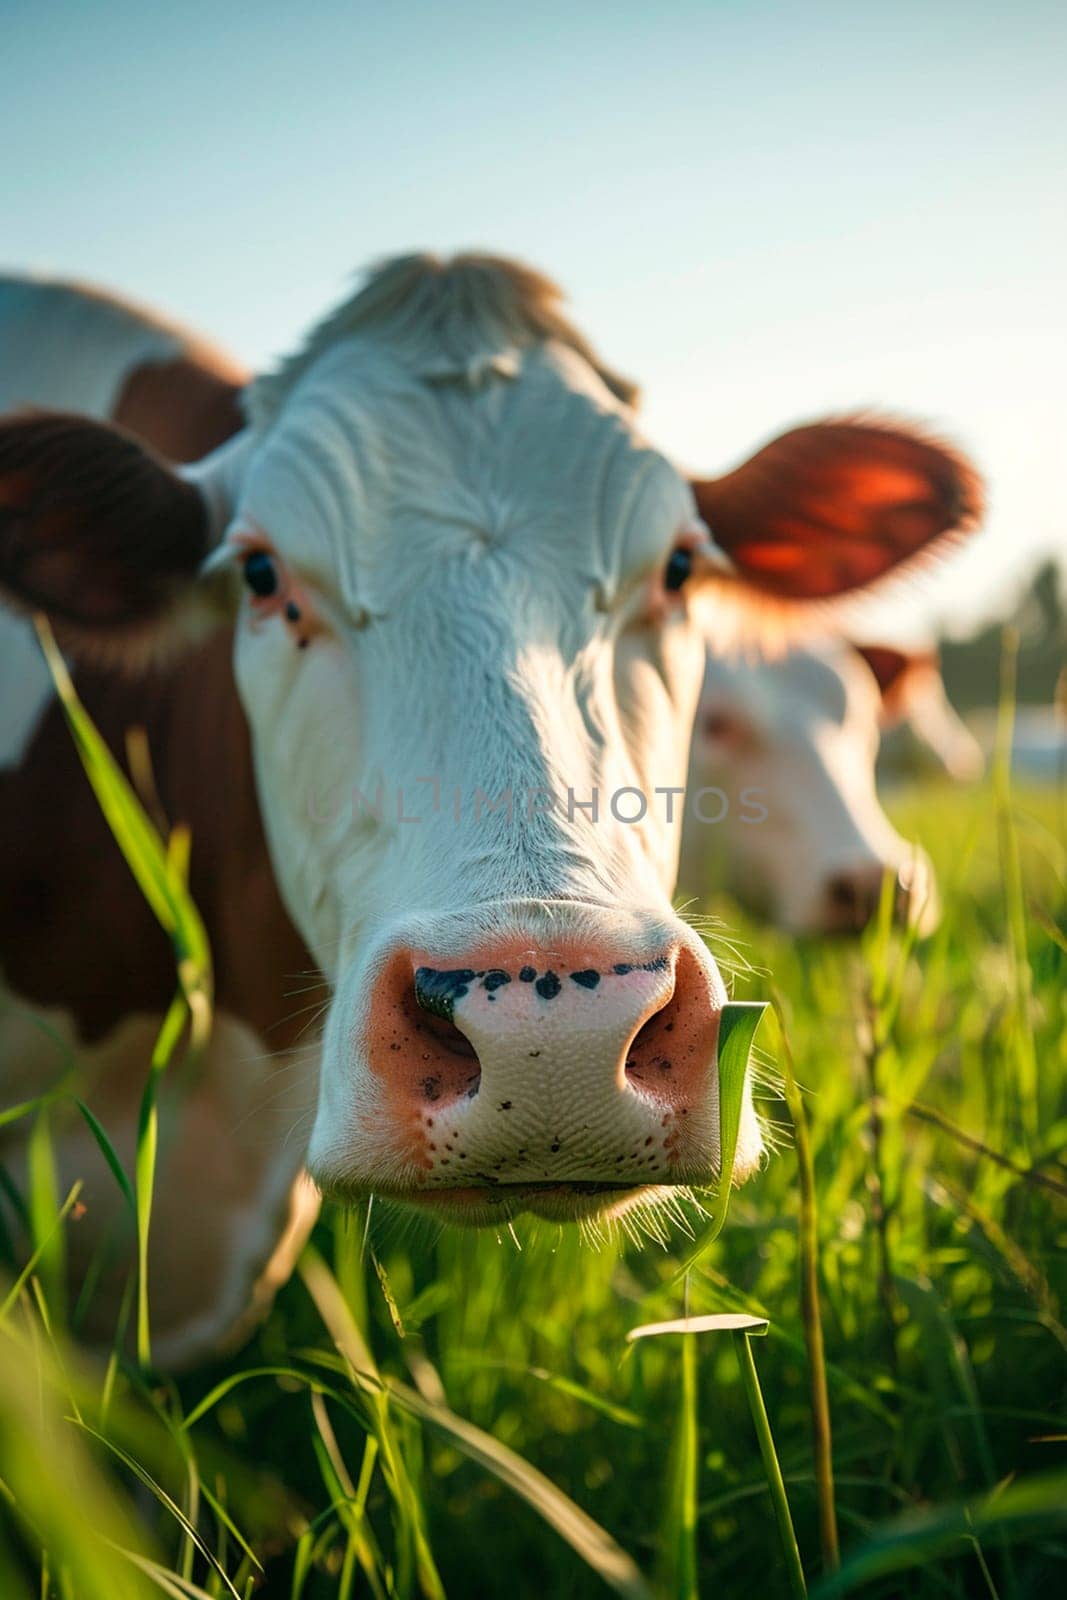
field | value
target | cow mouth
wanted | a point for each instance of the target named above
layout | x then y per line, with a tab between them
483	1206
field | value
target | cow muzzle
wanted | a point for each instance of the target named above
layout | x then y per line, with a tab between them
553	1072
852	895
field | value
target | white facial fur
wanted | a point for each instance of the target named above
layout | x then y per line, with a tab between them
478	560
459	586
795	737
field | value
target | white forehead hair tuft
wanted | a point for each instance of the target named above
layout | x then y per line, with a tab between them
462	318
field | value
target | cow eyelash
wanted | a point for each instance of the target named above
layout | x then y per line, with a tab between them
261	574
694	557
268	584
679	568
272	590
261	577
718	725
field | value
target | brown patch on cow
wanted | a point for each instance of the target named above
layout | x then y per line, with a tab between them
185	408
226	1217
835	505
79	946
75	930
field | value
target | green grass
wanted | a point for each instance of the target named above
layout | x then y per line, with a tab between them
431	1413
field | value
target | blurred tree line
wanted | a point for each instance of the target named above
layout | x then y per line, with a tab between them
971	666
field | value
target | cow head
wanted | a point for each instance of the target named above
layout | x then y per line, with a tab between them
467	645
916	712
790	745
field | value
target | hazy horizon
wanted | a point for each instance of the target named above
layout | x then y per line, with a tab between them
764	214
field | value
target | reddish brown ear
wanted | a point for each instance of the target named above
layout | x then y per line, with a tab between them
835	505
891	666
94	530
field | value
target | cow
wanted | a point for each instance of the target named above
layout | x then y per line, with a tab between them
920	725
782	796
414	643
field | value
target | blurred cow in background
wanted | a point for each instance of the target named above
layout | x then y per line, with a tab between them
786	750
920	725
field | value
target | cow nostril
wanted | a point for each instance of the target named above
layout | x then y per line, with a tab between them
842	892
437	989
852	899
446	1034
668	1056
649	1060
435	995
424	1047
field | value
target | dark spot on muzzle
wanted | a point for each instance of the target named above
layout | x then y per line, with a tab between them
438	992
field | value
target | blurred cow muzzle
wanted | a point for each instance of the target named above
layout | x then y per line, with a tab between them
852	895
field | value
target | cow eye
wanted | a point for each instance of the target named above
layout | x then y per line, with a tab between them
678	569
261	575
717	725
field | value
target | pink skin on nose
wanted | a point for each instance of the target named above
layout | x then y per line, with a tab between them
544	1066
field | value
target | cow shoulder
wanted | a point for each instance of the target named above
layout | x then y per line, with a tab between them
75	931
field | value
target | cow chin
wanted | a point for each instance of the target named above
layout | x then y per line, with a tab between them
477	1207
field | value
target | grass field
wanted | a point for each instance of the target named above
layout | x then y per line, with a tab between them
449	1413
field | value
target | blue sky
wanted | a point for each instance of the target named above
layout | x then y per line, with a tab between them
764	212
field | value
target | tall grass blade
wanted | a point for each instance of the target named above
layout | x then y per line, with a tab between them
771	1467
46	1222
1022	1033
158	876
1021	1510
30	1266
14	1113
161	870
363	1369
145	1162
720	1322
65	1506
678	1568
362	1545
680	1529
166	1500
110	1155
809	1301
590	1541
737	1029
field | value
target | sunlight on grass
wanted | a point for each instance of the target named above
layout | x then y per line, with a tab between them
429	1413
